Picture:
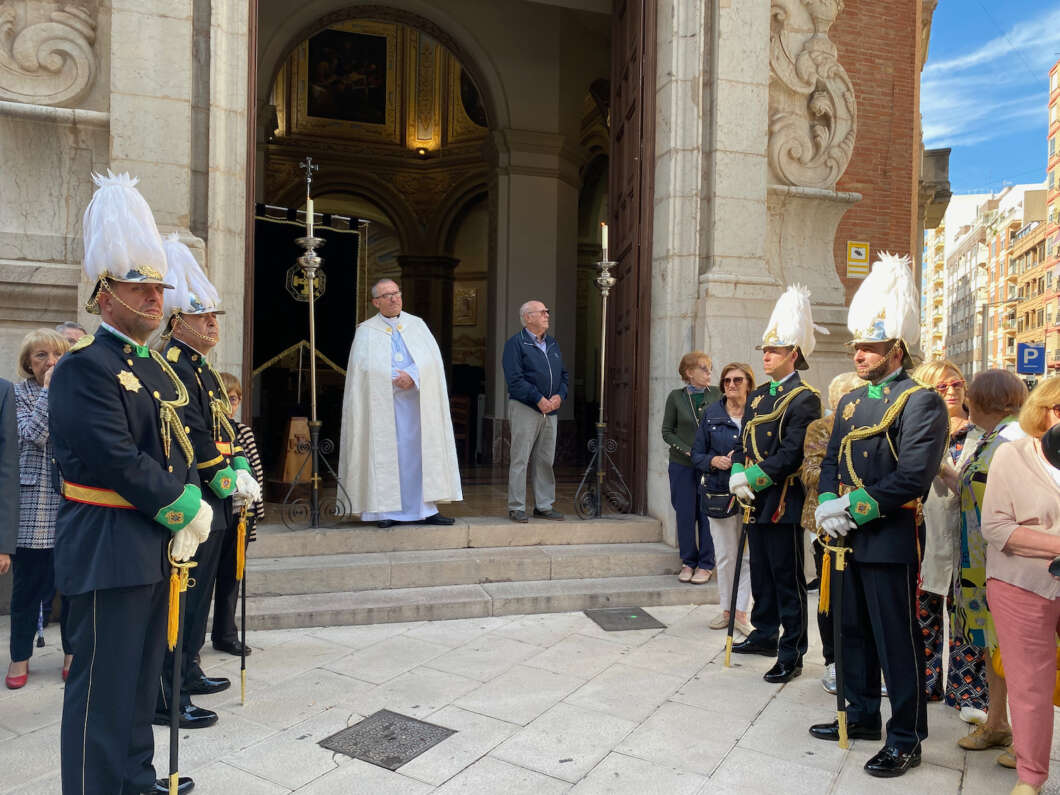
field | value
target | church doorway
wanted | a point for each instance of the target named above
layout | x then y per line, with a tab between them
476	142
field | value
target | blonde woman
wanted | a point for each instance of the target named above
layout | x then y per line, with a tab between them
34	570
1021	524
814	448
942	519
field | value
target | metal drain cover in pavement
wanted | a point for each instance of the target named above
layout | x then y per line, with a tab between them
386	739
616	619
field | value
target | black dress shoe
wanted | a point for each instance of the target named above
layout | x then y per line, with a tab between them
191	717
855	731
551	513
750	647
383	524
783	672
518	516
891	762
205	685
184	784
439	519
232	647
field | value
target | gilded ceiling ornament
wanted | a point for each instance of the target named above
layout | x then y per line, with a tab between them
46	55
812	108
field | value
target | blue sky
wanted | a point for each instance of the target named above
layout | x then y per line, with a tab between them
985	87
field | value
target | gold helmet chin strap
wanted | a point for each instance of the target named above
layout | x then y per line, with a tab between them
104	284
178	317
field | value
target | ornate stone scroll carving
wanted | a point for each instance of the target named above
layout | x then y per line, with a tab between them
812	109
46	55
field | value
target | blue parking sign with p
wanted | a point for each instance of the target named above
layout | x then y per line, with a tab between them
1030	358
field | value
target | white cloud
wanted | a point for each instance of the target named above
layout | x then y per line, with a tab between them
1031	43
997	88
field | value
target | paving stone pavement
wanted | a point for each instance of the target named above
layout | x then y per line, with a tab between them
540	704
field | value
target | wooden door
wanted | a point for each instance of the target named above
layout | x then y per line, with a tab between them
630	200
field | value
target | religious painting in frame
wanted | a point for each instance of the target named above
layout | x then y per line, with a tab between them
467	111
465	306
346	82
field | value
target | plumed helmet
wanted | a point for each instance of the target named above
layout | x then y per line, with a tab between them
791	325
192	293
886	307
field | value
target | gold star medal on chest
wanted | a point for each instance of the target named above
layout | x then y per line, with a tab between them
129	381
848	412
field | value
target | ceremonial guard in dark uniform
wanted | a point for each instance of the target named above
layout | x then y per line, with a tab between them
192	331
131	490
886	447
765	469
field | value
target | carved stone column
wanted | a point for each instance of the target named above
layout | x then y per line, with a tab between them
427	291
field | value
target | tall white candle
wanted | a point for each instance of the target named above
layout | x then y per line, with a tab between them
309	217
603	240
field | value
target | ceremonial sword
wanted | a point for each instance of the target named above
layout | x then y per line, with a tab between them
179	583
736	579
831	594
241	567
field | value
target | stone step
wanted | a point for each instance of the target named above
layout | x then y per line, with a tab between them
471	601
288	576
276	541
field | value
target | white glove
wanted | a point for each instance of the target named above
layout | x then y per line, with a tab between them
738	486
184	544
246	486
832	508
200	525
837	526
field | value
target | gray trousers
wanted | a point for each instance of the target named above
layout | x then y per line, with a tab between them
533	447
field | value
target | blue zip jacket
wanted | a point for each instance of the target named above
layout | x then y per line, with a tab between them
716	435
531	373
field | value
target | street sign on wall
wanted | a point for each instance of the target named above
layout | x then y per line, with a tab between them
1030	358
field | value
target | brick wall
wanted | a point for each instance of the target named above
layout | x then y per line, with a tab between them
877	44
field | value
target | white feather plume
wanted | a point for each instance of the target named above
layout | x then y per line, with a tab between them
119	229
791	322
887	304
192	292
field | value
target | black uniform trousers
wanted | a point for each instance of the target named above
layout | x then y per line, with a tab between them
226	592
880	631
118	639
196	612
779	589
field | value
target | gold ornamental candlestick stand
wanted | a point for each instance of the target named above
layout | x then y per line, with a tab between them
297	511
595	487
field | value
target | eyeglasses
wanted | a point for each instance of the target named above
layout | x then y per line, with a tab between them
234	398
943	388
540	312
736	379
389	296
704	369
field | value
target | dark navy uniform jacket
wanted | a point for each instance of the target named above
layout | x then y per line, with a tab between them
896	467
203	387
104	424
780	444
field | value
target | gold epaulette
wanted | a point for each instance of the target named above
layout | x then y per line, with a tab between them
173	353
82	343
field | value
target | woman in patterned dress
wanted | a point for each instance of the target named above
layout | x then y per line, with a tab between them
995	398
942	519
34	572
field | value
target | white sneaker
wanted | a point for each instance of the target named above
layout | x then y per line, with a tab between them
828	680
973	715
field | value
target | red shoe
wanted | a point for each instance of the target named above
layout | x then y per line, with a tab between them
16	682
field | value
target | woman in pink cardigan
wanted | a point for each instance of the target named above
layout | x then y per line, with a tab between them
1021	523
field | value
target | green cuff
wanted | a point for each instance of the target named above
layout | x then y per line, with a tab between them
737	468
862	507
224	482
240	462
182	510
826	497
757	479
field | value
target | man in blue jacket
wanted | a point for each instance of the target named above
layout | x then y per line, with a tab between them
537	387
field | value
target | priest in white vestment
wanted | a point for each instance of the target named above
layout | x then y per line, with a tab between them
398	457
